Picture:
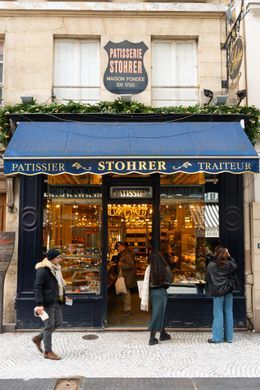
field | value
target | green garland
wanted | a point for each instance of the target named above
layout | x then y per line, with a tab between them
120	106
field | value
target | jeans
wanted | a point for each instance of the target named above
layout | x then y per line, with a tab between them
54	321
222	328
159	298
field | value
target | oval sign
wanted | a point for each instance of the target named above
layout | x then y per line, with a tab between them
125	72
236	57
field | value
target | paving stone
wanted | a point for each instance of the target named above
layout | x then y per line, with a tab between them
128	355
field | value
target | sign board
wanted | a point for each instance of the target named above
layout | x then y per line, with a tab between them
79	191
131	192
235	58
125	73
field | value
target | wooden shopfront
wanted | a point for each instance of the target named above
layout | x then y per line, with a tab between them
85	184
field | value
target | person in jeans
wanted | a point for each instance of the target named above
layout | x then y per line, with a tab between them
49	297
126	267
160	279
220	284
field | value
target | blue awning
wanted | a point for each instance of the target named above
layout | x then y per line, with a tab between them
127	147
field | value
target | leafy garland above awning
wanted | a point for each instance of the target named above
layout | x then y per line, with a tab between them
119	106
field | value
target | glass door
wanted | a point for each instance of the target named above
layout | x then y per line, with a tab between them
132	225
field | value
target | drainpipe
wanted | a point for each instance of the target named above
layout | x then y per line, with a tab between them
249	284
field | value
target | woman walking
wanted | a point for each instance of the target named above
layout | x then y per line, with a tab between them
159	281
220	284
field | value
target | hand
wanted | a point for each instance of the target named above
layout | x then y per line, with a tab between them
39	310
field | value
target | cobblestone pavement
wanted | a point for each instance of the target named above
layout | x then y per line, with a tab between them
127	355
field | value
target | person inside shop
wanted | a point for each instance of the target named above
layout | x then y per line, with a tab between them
221	278
126	268
168	253
49	297
160	279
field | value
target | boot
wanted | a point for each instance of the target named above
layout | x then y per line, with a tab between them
153	340
51	355
164	336
37	341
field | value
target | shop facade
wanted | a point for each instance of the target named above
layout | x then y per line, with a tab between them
146	187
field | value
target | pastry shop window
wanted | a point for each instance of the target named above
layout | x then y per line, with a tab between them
72	224
189	231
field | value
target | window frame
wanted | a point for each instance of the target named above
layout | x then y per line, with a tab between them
79	88
175	84
2	79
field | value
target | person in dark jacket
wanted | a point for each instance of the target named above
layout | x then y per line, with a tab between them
160	279
49	297
126	267
220	284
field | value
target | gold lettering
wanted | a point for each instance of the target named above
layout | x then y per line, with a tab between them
131	166
101	166
119	165
152	165
161	166
142	166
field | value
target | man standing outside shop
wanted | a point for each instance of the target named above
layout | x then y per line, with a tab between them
49	297
126	267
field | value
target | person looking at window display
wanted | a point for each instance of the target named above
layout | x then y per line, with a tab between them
126	268
220	284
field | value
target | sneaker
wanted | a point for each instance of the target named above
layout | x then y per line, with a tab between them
211	341
51	355
37	341
153	341
165	336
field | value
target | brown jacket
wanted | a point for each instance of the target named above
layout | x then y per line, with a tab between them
126	264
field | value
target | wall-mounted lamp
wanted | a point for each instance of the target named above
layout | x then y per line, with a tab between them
209	94
27	99
126	97
241	95
220	100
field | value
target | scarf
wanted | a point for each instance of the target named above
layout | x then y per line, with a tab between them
145	290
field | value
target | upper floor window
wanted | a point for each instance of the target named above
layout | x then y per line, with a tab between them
77	70
174	73
1	73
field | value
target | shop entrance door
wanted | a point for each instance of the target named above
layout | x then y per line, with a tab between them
130	224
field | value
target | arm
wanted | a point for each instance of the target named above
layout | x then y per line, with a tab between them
38	290
233	264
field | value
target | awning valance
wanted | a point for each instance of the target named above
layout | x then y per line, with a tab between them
126	147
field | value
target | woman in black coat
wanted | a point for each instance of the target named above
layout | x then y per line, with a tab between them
220	280
160	279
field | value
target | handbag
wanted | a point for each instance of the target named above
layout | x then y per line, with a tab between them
140	284
120	285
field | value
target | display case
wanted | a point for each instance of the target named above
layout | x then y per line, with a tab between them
82	274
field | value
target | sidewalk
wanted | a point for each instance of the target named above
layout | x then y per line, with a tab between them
128	355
